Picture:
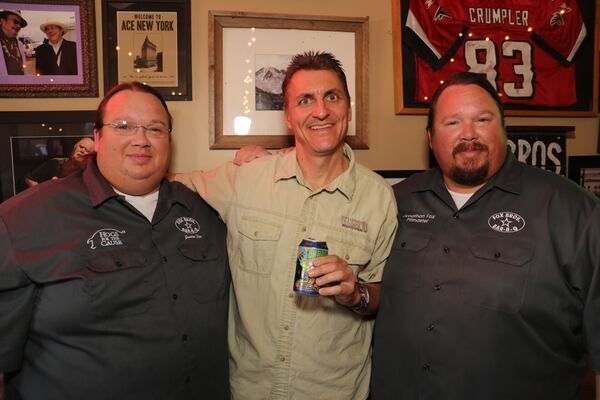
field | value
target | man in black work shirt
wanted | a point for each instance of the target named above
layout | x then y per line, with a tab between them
492	288
114	282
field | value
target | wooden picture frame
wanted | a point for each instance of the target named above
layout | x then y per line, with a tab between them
244	45
80	79
585	63
149	41
28	138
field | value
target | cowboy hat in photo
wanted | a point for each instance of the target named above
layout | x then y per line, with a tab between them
52	21
17	13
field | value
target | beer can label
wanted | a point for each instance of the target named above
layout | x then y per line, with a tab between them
308	250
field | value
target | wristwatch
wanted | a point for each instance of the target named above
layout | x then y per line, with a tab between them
364	299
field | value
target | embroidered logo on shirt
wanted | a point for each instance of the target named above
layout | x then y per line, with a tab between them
189	226
418	218
506	222
105	237
355	224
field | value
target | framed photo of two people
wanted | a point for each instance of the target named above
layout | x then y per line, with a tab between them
48	48
541	55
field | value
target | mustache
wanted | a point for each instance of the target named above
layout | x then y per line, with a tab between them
471	146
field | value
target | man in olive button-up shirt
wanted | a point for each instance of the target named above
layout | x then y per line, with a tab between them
283	345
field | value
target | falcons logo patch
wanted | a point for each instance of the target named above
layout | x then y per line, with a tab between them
440	14
557	18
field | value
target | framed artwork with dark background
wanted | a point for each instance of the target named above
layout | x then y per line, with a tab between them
28	139
148	41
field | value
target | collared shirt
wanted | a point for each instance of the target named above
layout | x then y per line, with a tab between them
97	302
497	300
284	345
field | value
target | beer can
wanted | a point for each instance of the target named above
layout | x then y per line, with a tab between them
308	250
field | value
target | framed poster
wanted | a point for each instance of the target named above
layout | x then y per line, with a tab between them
543	147
248	56
585	171
73	73
542	57
148	41
29	139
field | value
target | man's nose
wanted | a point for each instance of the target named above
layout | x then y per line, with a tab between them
320	110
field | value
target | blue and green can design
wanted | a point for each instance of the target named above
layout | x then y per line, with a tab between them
308	250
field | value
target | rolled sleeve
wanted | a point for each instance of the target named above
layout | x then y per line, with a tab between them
17	294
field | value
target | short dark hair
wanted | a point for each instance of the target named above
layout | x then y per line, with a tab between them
316	61
464	78
134	87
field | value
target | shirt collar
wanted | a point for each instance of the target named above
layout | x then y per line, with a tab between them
346	182
507	178
101	190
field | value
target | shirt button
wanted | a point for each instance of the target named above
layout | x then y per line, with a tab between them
456	216
282	358
184	337
119	264
291	294
437	287
303	229
286	328
446	249
403	244
255	233
430	327
425	367
164	259
497	254
346	257
174	296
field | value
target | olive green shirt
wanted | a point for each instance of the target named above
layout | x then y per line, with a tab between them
283	345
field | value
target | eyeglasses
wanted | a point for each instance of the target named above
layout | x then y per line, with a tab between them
126	128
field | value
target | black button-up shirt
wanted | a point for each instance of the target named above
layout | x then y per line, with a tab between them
497	300
96	302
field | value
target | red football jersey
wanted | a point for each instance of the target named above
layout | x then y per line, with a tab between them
525	47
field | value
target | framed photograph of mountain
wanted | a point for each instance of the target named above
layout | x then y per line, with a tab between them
149	42
248	56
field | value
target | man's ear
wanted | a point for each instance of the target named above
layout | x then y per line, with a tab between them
96	139
429	137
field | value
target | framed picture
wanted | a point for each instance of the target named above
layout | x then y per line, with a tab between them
394	176
148	41
550	71
543	147
585	171
31	67
248	56
30	139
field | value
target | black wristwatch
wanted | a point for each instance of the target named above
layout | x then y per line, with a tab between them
364	299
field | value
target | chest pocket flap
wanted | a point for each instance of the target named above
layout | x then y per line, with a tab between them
411	240
115	260
255	229
508	251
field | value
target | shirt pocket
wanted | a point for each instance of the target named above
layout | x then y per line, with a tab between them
403	268
207	272
352	253
119	283
495	273
258	241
